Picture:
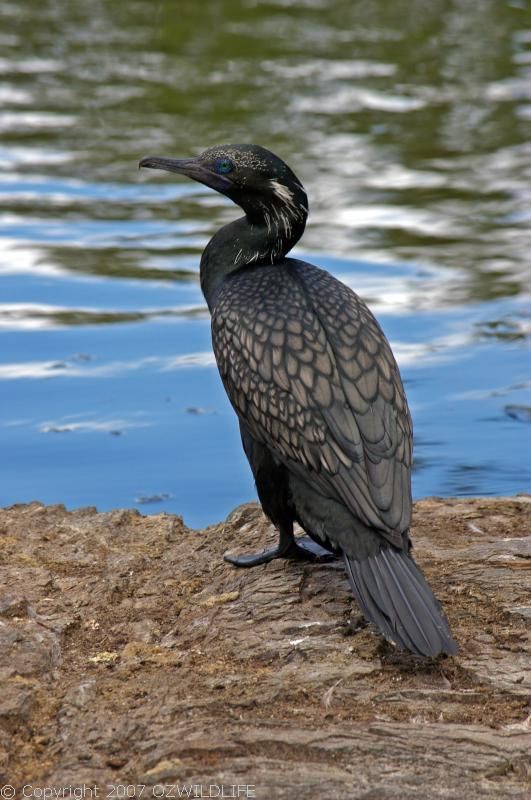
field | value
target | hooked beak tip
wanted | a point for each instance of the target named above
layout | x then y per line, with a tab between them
146	162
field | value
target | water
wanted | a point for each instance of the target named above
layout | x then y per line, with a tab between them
409	124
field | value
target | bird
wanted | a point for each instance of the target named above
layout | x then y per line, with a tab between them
323	415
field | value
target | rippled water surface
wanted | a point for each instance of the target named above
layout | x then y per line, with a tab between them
410	125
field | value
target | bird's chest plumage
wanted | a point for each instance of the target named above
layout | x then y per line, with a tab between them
257	328
268	339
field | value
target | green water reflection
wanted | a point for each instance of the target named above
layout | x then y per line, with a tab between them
419	112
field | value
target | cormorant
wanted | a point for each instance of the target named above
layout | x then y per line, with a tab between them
323	415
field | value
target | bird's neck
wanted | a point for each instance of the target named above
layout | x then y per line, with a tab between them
264	236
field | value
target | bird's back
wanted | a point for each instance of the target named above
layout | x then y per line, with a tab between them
311	376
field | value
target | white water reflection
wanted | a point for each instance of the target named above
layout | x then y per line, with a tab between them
414	355
35	316
112	426
37	66
95	233
410	219
15	156
9	94
112	369
349	99
19	257
20	120
328	69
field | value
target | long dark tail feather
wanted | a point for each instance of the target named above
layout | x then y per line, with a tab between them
392	592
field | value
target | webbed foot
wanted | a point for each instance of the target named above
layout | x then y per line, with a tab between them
302	548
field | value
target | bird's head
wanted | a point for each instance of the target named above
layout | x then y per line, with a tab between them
251	176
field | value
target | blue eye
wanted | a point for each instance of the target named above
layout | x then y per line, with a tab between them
224	166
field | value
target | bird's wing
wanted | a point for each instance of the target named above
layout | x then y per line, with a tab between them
311	375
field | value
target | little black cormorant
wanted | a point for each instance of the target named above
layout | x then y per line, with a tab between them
322	410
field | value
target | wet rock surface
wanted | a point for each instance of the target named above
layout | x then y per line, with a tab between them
130	653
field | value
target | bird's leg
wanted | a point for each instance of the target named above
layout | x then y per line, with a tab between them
302	548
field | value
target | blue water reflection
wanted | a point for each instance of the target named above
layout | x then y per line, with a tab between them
410	129
108	413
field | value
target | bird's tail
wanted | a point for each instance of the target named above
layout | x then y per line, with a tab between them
392	593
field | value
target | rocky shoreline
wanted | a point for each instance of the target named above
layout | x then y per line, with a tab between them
131	655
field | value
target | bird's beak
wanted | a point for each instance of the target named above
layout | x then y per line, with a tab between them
184	166
192	168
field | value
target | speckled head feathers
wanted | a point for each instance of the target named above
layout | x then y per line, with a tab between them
247	160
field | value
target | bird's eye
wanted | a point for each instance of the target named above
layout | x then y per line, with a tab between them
224	165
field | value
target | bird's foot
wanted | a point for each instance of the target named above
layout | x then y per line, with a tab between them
308	550
302	548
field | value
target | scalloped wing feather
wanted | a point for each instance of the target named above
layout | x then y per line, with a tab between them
311	374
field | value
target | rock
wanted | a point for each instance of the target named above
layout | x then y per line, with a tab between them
131	653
